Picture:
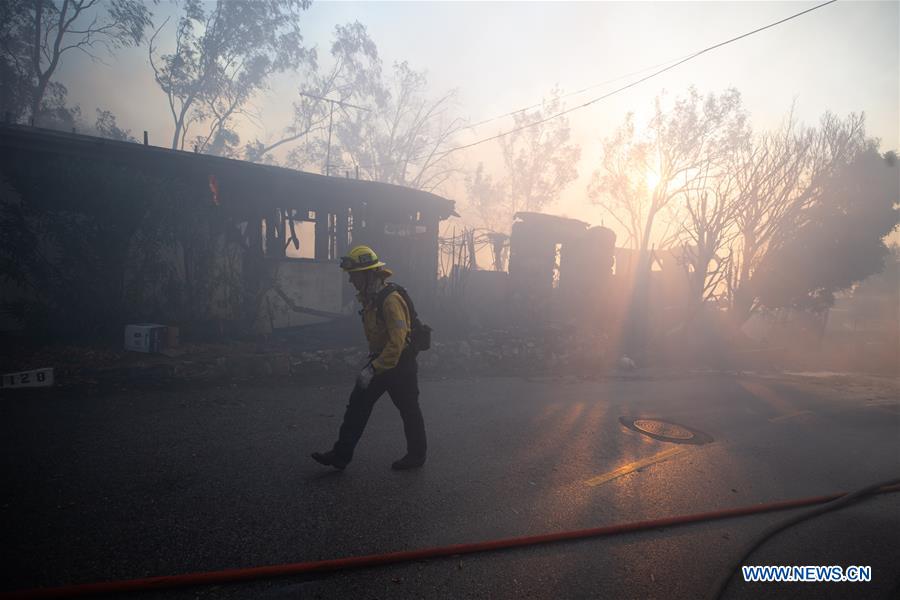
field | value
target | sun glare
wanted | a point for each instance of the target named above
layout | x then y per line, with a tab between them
652	179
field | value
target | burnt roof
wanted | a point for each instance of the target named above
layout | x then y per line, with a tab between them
244	186
551	225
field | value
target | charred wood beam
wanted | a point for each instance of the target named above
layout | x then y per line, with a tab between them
343	233
321	251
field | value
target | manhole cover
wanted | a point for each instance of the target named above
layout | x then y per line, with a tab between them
663	429
666	431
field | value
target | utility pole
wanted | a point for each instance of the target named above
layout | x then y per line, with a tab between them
328	151
332	102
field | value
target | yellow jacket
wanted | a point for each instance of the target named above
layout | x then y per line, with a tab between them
388	337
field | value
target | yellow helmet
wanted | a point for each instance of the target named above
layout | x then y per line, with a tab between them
361	258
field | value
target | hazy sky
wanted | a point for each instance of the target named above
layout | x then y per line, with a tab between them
503	56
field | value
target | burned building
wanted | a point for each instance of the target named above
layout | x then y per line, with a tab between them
198	238
560	266
559	270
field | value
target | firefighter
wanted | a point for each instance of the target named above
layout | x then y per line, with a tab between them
391	367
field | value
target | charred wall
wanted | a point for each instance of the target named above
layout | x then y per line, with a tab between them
209	243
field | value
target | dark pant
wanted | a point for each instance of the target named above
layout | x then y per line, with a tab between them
402	384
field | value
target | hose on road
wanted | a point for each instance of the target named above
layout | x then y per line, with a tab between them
836	504
372	560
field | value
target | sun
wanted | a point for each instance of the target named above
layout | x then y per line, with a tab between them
651	177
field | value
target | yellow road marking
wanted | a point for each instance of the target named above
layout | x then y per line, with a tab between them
789	415
633	466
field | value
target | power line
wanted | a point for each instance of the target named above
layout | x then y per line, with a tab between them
576	92
607	95
332	102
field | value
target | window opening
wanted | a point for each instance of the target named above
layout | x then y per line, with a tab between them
349	232
557	252
332	237
306	232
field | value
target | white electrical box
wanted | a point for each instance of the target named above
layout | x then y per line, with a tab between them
145	337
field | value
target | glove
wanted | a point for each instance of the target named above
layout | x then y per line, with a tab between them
365	376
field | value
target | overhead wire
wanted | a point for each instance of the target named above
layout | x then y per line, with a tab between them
561	113
575	93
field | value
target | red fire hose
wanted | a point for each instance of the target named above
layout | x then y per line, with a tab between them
338	564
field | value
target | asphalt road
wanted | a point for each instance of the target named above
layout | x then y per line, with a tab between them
139	484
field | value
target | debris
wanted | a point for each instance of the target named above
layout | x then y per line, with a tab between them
627	364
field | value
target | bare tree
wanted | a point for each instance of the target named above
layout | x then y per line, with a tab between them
539	162
487	198
354	77
221	59
706	232
621	186
782	218
36	34
643	172
106	126
405	136
779	176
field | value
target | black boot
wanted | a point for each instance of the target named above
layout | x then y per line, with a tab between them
408	462
329	459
